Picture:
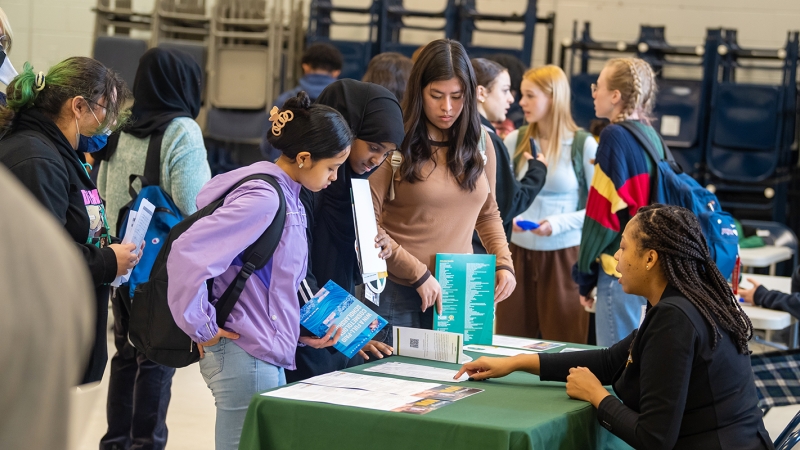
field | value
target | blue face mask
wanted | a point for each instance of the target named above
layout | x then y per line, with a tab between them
93	143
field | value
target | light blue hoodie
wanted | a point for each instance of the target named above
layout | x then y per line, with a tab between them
267	313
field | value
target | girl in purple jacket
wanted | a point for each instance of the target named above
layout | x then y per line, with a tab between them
258	341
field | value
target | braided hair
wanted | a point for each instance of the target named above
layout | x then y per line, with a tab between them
675	234
636	82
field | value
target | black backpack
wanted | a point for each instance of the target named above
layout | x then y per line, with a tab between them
152	330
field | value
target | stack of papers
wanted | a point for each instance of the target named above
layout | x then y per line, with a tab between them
370	392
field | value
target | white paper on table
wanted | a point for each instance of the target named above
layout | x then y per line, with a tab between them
371	383
417	371
366	228
501	351
138	222
569	350
429	344
527	344
342	396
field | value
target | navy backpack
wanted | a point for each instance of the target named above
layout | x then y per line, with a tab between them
671	186
166	216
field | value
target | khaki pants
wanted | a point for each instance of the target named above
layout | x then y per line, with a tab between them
546	302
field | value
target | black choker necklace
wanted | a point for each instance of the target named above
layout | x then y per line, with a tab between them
438	143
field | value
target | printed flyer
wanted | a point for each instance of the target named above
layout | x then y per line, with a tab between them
467	296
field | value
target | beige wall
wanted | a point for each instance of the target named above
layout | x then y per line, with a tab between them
47	31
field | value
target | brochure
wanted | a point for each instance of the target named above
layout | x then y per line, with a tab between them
332	305
528	344
373	268
138	222
417	371
467	296
430	344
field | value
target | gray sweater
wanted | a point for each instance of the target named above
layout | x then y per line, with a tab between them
184	167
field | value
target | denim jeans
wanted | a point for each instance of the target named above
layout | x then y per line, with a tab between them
138	394
401	306
617	314
234	377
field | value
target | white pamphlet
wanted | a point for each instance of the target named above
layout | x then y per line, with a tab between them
380	401
138	222
366	228
527	344
429	344
371	383
501	351
417	371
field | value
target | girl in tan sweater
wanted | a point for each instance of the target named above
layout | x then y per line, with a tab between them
438	189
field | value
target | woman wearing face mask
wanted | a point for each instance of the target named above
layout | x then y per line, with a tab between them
45	117
441	190
374	115
7	71
494	99
546	300
166	94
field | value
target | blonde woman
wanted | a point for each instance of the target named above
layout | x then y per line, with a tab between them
546	299
625	91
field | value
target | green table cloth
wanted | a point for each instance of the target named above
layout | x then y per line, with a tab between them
518	412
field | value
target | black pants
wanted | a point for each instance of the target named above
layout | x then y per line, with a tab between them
138	393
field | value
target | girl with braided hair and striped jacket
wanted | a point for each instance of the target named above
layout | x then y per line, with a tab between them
625	91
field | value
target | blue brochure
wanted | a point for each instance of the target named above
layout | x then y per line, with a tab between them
332	305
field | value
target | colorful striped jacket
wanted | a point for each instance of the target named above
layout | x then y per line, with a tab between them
620	186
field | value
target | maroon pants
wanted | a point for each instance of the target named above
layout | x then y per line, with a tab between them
546	299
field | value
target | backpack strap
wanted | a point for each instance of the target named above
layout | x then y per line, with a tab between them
649	146
257	255
578	143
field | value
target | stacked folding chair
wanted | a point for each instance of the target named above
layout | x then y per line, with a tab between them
114	46
396	18
471	20
327	19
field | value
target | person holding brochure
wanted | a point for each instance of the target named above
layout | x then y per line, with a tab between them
258	341
438	188
546	302
375	117
683	379
43	123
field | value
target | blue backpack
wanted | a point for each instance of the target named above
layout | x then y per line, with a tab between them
166	215
671	186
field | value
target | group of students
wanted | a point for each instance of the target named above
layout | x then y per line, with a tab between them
438	174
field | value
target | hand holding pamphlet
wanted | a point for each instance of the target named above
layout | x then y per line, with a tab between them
332	305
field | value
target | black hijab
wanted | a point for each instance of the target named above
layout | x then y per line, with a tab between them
374	115
167	86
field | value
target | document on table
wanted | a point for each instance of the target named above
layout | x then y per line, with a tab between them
138	222
417	371
395	386
380	401
501	351
528	344
429	344
467	296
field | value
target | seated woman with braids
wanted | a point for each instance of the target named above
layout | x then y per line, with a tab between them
683	379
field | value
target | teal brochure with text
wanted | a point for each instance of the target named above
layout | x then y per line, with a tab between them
467	296
332	305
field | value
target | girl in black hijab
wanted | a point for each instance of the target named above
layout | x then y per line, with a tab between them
165	144
376	119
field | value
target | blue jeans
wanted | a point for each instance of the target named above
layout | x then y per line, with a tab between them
401	306
617	313
234	377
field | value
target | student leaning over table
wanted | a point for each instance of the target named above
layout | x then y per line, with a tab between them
683	378
441	191
257	343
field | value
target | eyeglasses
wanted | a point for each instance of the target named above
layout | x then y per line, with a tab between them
594	88
4	42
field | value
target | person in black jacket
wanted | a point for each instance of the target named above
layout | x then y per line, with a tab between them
683	380
494	99
781	301
376	119
42	125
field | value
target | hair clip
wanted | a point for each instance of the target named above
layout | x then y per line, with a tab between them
279	119
39	83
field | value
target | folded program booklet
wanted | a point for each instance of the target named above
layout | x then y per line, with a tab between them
332	305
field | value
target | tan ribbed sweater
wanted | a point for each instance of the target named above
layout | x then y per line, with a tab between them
436	216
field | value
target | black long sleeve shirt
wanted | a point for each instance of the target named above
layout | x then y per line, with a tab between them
673	390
